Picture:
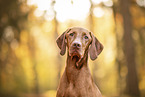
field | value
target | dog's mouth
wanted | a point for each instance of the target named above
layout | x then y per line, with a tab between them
75	56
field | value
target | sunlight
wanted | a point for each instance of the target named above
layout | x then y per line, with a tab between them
141	2
43	8
65	9
14	44
30	61
49	15
38	13
98	12
99	1
41	4
9	33
30	2
108	3
77	10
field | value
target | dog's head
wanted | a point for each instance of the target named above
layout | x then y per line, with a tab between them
78	41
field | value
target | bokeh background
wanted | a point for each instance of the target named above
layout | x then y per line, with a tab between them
30	63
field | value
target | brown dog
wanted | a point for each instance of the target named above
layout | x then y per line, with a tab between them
76	80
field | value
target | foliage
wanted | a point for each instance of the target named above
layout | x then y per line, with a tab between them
30	63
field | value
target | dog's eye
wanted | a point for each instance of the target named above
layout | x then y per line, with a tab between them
71	34
86	37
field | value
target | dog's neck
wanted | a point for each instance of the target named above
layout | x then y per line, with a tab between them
73	68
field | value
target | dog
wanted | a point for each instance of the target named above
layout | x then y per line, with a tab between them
76	80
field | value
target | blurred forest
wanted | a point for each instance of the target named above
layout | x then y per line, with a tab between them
30	63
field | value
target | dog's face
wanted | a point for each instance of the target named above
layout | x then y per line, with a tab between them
78	41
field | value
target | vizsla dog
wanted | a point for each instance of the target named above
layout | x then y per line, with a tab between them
76	80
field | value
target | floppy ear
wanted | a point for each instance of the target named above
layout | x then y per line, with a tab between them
95	48
61	43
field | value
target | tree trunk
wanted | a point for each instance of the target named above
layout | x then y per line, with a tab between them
129	50
59	59
118	44
31	46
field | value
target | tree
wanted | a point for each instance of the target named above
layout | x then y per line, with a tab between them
129	49
12	21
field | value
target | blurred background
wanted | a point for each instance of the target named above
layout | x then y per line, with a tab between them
30	63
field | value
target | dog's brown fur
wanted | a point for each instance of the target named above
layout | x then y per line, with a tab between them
76	80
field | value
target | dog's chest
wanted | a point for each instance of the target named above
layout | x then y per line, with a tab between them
74	91
80	87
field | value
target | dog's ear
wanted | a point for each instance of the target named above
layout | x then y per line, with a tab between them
61	43
95	48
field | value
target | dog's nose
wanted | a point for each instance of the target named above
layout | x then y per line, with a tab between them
76	44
